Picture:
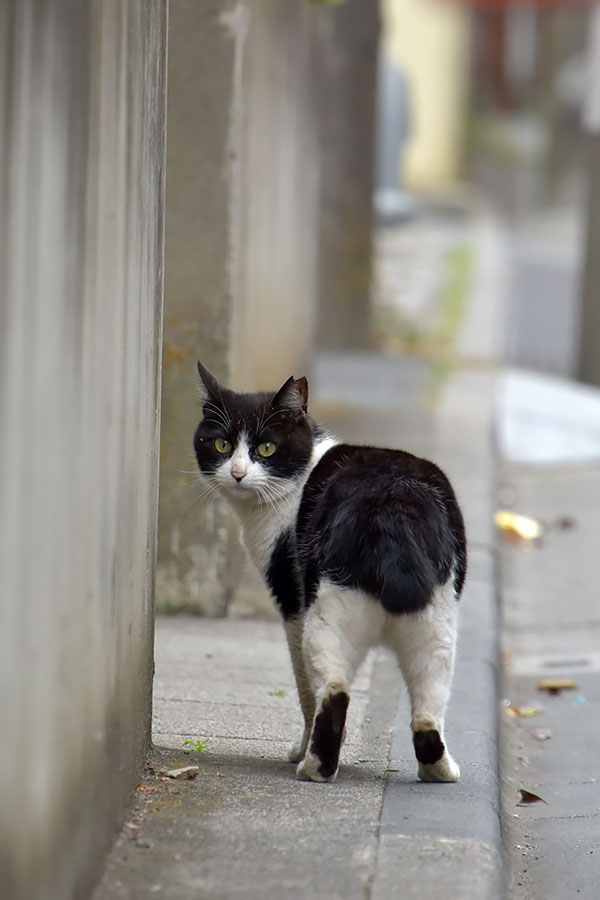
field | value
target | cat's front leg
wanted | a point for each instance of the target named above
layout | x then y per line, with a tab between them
293	630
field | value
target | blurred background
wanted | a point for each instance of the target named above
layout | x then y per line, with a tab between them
412	179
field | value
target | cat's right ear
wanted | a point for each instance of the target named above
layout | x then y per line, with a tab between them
293	395
209	381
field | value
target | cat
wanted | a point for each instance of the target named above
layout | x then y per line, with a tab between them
359	547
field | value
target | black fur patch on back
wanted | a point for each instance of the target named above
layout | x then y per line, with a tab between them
384	521
283	577
429	747
328	731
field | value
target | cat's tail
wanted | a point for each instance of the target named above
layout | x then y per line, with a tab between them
407	577
415	556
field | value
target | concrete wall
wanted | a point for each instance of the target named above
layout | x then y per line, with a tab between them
241	254
82	111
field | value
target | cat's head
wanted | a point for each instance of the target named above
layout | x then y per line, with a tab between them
254	446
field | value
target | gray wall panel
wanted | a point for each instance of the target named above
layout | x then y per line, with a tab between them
82	125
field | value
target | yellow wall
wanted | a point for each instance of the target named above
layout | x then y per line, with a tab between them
430	40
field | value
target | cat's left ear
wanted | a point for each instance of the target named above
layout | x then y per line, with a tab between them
293	395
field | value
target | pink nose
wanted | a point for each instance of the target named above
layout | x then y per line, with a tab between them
235	473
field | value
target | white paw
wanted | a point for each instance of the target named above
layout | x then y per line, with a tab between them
298	749
308	770
445	769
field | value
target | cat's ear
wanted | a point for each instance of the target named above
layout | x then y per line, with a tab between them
293	395
213	389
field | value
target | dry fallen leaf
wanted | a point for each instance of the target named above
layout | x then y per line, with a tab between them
517	527
556	685
564	522
528	797
542	734
522	712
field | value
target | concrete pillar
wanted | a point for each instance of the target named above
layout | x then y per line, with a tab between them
82	113
278	210
348	76
588	368
241	255
206	45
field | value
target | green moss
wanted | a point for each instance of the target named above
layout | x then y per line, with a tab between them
455	297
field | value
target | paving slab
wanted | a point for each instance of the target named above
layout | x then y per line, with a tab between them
245	826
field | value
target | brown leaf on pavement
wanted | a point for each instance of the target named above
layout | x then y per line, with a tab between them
565	522
556	685
520	528
528	797
542	734
522	712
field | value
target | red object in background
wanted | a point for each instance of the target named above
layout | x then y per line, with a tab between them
501	4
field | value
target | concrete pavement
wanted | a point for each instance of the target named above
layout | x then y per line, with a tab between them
245	826
551	629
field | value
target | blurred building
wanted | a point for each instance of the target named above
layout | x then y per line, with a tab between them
429	42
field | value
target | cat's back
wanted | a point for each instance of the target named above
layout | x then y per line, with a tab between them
383	520
356	473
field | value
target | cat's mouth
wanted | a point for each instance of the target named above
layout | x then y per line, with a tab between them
239	489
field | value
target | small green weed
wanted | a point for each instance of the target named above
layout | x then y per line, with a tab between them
278	693
200	746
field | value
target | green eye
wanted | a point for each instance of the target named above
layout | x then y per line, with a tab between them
222	446
267	449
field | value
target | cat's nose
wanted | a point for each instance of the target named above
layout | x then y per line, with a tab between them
238	476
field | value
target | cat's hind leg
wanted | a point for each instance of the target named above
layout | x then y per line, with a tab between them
425	646
337	635
293	631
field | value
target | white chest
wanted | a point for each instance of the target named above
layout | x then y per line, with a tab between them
262	527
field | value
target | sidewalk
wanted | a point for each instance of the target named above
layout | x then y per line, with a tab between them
245	827
550	446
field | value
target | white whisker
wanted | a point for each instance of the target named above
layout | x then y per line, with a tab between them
207	492
266	421
220	412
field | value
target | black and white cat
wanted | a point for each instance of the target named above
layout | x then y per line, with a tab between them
359	547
